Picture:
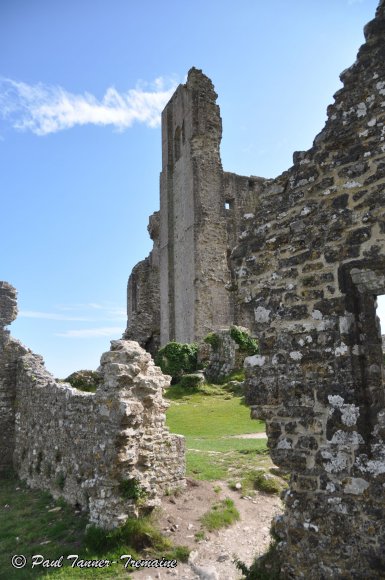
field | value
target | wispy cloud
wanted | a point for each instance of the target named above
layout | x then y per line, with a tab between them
105	311
45	109
91	332
51	316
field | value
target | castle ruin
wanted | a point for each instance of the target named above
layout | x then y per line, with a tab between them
300	260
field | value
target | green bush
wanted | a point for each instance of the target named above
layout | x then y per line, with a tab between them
243	339
84	380
135	537
190	381
177	359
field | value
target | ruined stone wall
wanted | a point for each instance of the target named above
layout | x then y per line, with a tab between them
221	357
10	351
108	452
143	301
309	267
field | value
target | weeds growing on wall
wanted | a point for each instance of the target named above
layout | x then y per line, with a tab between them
213	340
243	339
131	489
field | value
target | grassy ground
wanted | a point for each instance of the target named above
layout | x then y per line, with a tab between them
42	529
211	423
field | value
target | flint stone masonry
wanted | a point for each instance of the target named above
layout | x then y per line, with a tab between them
88	447
312	262
302	257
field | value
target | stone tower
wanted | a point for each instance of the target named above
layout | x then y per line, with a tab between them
182	290
193	239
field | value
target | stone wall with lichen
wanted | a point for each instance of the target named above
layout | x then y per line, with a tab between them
309	267
220	354
10	351
107	452
143	302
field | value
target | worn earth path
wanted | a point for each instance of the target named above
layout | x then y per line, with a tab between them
213	557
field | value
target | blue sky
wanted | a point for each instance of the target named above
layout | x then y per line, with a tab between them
82	84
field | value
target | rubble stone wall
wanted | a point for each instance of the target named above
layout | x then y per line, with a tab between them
309	268
107	452
143	301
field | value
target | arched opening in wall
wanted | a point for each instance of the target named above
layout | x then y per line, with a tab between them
177	143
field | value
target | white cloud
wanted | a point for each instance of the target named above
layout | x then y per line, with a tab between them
45	109
50	316
106	311
92	332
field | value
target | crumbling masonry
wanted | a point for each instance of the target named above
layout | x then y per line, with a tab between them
300	260
107	452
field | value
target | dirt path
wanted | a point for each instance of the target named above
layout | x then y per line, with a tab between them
212	558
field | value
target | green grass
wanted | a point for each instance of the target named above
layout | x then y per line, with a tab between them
200	415
258	480
210	425
29	527
222	514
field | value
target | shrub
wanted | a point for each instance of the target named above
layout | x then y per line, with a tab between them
191	381
134	537
243	339
177	359
84	380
